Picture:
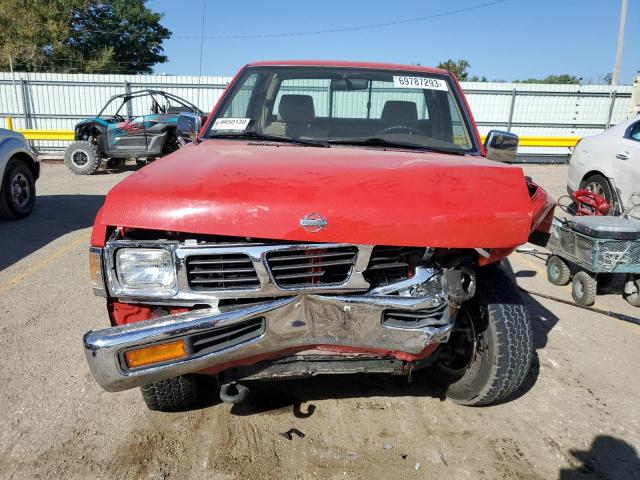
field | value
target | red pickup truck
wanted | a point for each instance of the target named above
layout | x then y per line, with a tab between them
329	217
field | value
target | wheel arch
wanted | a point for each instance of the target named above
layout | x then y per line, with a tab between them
84	130
88	129
15	146
31	162
596	172
23	156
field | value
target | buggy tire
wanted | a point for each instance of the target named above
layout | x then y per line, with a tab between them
502	349
599	184
584	289
634	298
558	272
82	157
16	204
171	395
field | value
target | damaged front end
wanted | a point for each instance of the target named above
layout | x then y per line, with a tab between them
266	309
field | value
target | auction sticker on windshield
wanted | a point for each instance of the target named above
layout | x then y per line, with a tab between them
238	124
404	81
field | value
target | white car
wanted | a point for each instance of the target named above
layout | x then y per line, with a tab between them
609	164
19	170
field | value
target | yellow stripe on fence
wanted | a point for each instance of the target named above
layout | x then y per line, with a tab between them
526	141
47	134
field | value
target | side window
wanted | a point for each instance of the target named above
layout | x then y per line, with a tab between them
317	89
240	103
635	132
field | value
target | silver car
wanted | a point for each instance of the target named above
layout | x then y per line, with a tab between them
19	170
609	165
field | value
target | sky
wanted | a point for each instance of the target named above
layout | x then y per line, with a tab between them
509	40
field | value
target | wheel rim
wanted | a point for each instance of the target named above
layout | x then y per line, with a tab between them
79	158
579	289
554	271
20	190
596	188
459	351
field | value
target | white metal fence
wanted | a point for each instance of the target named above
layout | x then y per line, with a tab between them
57	101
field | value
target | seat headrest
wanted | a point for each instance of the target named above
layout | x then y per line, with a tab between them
296	108
396	112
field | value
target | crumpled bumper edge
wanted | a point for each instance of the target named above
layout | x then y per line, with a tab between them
290	323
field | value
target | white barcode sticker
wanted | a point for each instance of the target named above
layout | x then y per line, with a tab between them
404	81
237	124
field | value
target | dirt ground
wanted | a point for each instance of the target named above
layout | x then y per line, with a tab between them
577	417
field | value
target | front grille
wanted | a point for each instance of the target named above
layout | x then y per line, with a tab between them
312	267
419	318
392	264
226	337
228	271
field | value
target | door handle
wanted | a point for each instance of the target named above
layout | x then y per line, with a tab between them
623	156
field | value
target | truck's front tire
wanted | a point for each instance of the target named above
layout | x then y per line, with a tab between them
171	395
82	157
489	353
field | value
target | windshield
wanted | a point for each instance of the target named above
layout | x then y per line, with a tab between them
344	106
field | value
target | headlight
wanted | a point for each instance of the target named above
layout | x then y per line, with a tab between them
146	271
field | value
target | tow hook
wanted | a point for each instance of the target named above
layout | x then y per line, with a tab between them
233	392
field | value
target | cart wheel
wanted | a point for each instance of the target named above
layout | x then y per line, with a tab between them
634	298
558	271
584	289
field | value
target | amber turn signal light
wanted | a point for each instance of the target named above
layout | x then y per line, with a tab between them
155	354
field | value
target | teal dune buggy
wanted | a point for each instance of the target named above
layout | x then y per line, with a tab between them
139	125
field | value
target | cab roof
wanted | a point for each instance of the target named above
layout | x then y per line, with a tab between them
346	64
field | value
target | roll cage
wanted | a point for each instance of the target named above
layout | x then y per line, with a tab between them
157	107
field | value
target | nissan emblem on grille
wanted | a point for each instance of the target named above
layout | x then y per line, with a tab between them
313	223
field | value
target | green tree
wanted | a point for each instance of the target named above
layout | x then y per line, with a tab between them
459	68
564	79
116	36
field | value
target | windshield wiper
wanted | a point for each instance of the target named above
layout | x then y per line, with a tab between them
252	135
381	142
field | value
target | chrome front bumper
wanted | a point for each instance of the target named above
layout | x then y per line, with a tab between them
290	323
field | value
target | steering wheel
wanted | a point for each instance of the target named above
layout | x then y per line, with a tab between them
411	130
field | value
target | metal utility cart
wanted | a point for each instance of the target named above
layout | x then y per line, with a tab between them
585	247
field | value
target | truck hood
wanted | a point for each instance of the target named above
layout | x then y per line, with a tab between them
366	195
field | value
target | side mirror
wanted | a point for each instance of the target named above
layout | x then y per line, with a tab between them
501	146
188	125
